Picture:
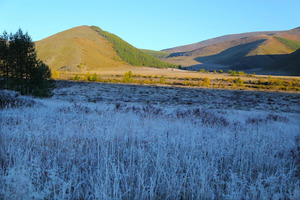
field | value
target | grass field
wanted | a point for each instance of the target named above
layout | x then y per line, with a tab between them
175	77
113	141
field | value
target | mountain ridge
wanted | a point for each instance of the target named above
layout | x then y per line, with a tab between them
189	47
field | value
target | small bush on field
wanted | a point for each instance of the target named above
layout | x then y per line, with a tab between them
95	77
206	82
202	70
239	82
240	73
128	77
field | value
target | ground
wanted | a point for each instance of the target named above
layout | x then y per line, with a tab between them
178	96
114	141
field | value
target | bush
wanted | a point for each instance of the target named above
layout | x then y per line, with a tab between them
55	75
162	79
233	73
239	82
88	76
76	77
95	77
240	73
206	82
127	78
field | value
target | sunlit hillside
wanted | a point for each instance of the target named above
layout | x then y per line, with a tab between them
85	48
77	49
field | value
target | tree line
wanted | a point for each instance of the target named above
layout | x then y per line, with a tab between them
131	54
20	70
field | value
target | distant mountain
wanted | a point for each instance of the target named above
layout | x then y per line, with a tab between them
290	34
216	40
248	51
87	48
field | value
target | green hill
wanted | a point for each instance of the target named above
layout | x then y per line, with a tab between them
130	54
156	54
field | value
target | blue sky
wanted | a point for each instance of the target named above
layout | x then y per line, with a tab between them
151	24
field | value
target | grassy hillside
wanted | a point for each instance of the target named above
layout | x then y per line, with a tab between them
293	34
156	54
246	53
77	49
251	53
191	47
292	44
131	54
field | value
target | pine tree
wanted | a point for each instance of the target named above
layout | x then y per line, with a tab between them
20	68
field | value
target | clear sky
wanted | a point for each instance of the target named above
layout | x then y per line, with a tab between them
150	24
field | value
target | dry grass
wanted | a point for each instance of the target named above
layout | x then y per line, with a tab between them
268	46
80	49
103	141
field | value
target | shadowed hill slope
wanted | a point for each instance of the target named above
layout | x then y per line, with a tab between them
252	53
286	64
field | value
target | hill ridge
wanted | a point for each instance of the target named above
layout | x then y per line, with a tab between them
252	53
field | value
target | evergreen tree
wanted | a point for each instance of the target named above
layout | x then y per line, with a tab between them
20	68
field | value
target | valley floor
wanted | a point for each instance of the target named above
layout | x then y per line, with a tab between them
114	141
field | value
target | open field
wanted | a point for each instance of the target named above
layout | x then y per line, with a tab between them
114	141
80	92
176	77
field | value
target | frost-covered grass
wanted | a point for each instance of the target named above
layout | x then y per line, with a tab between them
62	150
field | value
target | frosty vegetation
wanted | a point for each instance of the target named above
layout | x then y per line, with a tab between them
58	149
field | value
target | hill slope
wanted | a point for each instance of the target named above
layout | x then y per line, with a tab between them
129	53
287	64
292	34
77	49
216	40
251	53
87	48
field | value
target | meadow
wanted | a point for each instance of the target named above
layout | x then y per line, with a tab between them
115	141
237	80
